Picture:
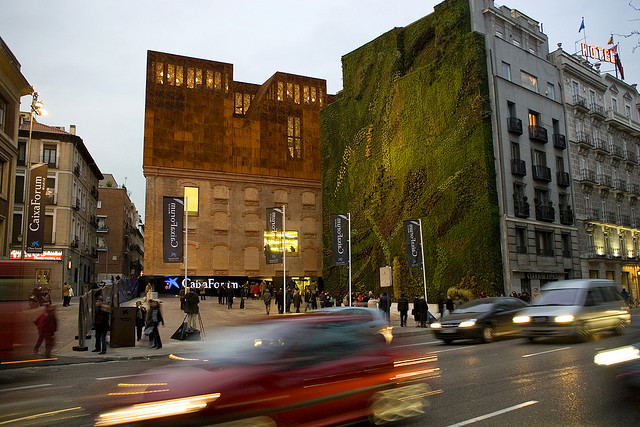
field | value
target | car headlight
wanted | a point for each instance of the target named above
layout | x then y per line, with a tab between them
436	325
158	409
617	355
521	319
565	318
467	323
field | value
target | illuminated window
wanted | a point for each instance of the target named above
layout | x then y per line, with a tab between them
179	75
280	91
296	94
209	79
238	106
247	102
198	78
305	94
171	74
191	200
218	81
159	72
529	81
294	141
226	83
313	94
289	91
320	97
50	194
273	240
190	77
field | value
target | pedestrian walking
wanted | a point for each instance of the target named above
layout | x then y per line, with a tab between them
203	292
449	305
67	293
266	298
192	309
47	325
403	308
297	300
384	304
141	317
101	325
423	312
229	295
154	318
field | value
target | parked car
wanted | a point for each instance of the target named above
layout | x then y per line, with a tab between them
576	308
313	369
483	319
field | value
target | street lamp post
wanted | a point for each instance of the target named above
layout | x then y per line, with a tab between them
36	109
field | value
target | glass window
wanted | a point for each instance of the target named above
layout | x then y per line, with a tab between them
171	76
506	71
209	79
544	243
191	200
305	91
516	42
22	153
296	94
273	239
190	78
280	91
159	72
499	33
521	240
49	155
529	81
198	78
551	91
179	75
238	103
289	91
19	196
218	81
534	118
566	245
313	94
246	102
294	140
50	194
627	111
614	105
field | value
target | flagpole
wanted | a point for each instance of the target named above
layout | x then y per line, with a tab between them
349	216
284	259
186	241
424	274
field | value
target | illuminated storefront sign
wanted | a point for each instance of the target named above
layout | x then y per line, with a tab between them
176	282
599	53
44	256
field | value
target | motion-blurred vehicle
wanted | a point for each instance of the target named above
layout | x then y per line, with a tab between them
625	363
575	308
319	369
372	317
483	319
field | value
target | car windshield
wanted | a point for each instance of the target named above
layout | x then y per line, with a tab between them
477	306
568	296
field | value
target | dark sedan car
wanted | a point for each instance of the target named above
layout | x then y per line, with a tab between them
483	319
309	369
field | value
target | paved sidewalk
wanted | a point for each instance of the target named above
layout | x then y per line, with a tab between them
214	316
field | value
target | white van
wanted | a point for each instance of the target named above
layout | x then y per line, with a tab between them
574	308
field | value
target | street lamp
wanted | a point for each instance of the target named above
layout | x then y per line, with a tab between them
36	109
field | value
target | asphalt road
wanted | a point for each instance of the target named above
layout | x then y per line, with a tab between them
508	382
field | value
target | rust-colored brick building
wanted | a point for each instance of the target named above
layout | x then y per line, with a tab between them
237	148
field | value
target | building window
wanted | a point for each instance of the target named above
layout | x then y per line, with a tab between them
191	200
313	94
534	118
19	196
506	71
521	240
627	111
499	33
50	194
239	109
294	140
179	75
159	72
296	94
171	74
512	109
209	79
551	91
566	245
217	84
198	78
305	91
273	240
280	91
49	155
17	228
3	114
190	78
22	153
289	91
614	105
246	102
529	81
544	243
515	150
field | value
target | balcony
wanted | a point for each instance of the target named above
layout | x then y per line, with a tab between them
634	189
584	139
538	133
625	220
617	151
76	169
589	176
632	157
566	215
93	221
580	103
75	242
541	173
76	205
518	167
601	145
514	125
604	180
521	208
94	192
593	215
597	110
559	141
102	228
620	185
563	179
545	213
610	218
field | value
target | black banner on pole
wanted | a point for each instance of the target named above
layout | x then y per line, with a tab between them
273	236
172	229
35	219
412	242
340	242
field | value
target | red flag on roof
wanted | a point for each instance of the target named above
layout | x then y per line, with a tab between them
619	66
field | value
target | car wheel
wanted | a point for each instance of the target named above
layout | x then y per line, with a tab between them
620	328
488	334
399	403
447	340
584	333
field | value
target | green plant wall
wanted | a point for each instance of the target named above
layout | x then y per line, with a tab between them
410	137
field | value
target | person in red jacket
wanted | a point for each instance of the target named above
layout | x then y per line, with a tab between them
47	325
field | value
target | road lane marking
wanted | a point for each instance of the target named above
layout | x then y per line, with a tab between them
420	343
44	414
120	376
496	413
452	349
545	352
24	388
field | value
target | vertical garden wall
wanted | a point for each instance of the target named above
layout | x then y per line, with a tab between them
410	137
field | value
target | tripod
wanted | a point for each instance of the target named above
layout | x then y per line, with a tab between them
184	322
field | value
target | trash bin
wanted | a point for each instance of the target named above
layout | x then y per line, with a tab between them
123	326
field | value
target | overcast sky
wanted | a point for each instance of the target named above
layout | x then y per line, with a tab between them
87	58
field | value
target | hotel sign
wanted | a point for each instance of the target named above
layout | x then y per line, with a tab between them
599	53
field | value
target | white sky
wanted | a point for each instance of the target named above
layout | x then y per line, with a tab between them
87	58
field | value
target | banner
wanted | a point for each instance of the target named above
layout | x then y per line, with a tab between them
412	242
273	246
36	210
340	243
172	229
